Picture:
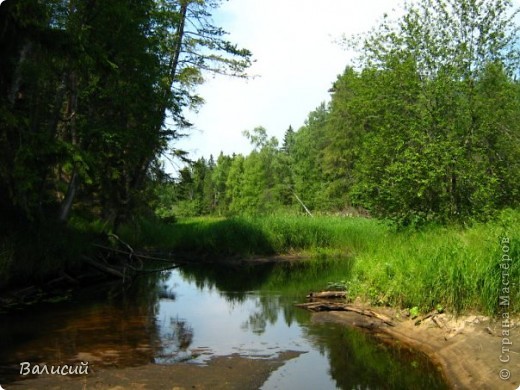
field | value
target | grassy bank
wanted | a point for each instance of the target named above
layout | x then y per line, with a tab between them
458	269
255	236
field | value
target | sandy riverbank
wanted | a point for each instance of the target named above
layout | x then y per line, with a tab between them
224	372
468	349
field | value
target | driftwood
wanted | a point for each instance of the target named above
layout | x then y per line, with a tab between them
122	261
328	294
115	261
331	306
425	317
438	322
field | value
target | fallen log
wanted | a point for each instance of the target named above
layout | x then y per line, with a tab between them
331	306
328	294
142	256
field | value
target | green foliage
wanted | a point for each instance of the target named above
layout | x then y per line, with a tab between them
425	128
431	145
452	267
85	89
260	183
310	184
414	312
247	235
342	285
234	184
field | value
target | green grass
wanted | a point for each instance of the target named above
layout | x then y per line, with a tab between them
255	235
456	268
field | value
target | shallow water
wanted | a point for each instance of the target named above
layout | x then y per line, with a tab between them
195	314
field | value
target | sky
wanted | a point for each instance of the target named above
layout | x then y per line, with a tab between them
297	58
296	62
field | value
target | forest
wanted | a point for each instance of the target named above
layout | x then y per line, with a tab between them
422	128
86	88
92	96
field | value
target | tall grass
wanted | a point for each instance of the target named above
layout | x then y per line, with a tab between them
454	267
255	235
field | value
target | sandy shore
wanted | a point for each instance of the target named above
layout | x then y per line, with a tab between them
224	372
468	349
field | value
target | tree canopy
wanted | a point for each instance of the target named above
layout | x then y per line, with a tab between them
85	90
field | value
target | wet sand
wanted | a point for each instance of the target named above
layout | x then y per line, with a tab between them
225	372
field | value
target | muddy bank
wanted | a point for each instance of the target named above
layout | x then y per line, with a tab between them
224	372
467	349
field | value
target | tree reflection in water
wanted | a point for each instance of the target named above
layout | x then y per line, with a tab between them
359	361
267	312
175	343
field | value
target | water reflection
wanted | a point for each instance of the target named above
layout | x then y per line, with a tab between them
266	312
199	312
175	342
109	326
232	282
357	360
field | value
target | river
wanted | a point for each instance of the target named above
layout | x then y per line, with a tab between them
197	313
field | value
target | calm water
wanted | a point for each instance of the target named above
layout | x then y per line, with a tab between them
193	315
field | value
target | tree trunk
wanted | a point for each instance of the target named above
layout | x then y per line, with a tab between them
66	205
17	81
72	104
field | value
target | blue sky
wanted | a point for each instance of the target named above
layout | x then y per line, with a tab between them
297	60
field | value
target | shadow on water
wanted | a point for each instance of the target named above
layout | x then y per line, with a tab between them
107	325
196	313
